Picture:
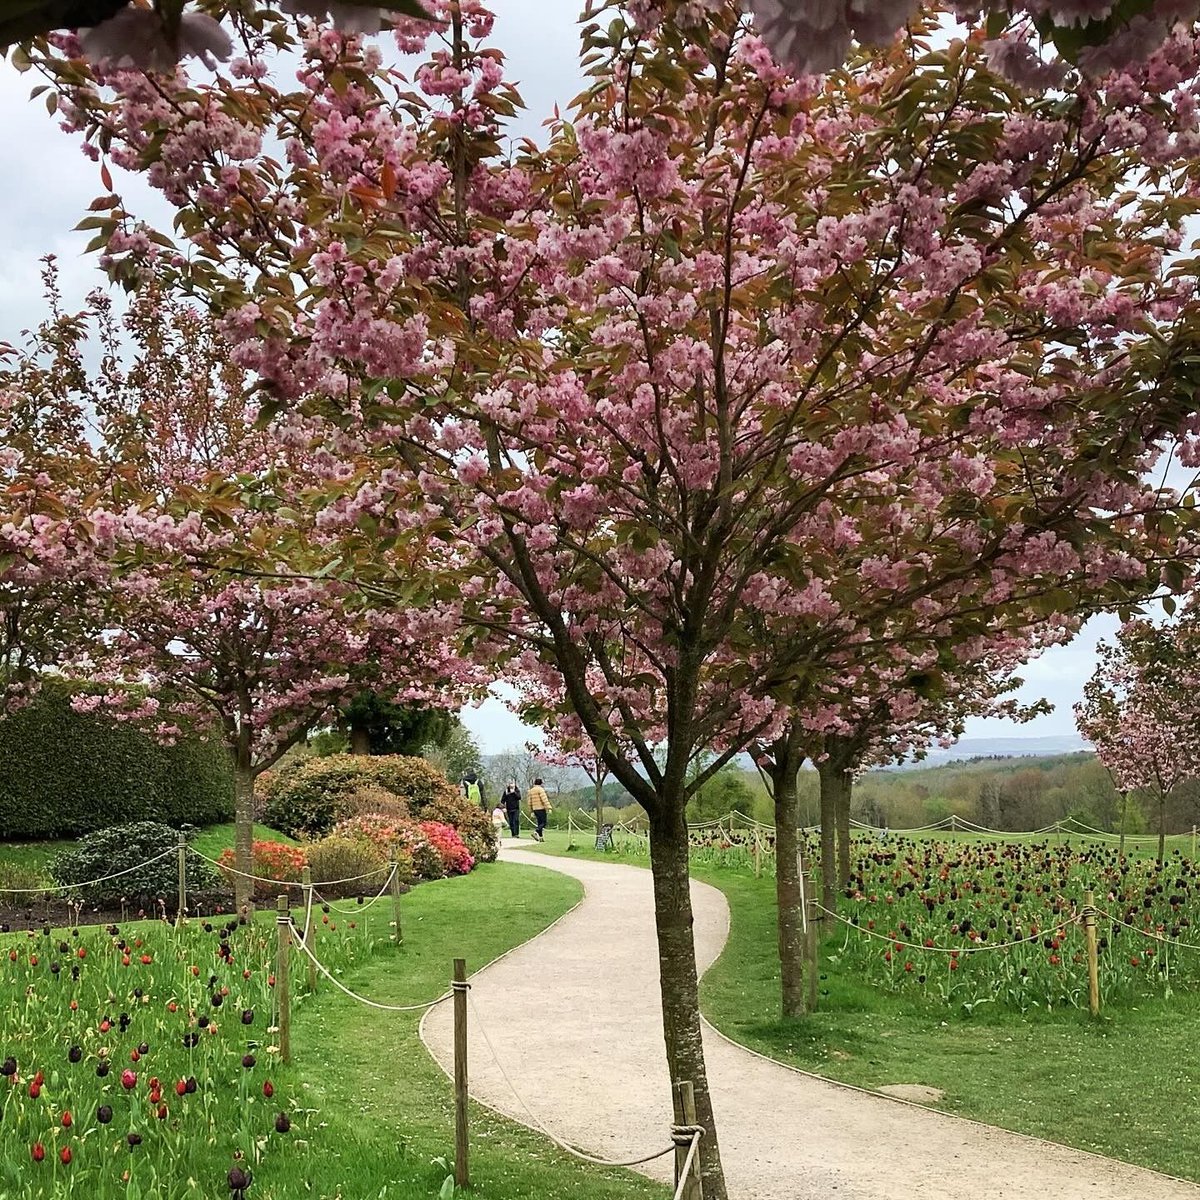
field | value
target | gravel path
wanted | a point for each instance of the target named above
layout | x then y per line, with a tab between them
573	1017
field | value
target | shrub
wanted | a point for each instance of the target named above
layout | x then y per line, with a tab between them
371	798
335	858
310	798
68	773
381	831
420	784
274	863
120	847
473	824
445	839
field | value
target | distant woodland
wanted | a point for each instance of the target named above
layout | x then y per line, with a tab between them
1002	793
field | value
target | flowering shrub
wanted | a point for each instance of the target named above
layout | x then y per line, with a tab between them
274	862
456	858
308	800
473	824
380	830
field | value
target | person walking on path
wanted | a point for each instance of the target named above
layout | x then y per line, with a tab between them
512	807
472	787
539	805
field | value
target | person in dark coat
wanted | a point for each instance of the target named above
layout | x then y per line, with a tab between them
512	806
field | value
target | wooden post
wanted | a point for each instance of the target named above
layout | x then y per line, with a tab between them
307	891
570	830
283	922
395	882
462	1147
1089	926
814	938
182	880
685	1114
757	853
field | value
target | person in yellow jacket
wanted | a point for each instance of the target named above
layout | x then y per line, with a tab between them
539	805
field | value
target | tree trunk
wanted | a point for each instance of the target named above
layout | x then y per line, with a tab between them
1162	827
360	741
828	776
599	809
845	788
789	896
243	838
679	981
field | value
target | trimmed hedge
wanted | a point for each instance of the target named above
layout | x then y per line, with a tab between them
64	774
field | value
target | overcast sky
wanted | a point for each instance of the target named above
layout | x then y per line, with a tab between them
48	183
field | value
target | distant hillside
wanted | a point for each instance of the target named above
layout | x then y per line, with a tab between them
970	749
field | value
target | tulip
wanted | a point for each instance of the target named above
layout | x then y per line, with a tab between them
64	1156
128	1079
38	1152
282	1124
66	1119
104	1114
268	1088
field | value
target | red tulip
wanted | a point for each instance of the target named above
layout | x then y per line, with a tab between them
64	1155
66	1119
146	960
268	1088
128	1079
82	952
38	1152
35	1090
181	1087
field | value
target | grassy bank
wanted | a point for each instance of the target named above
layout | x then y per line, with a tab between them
1114	1086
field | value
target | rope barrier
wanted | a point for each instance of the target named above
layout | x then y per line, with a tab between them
357	908
287	882
1156	937
363	999
566	1147
71	887
954	950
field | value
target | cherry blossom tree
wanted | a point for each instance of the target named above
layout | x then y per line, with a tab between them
1141	709
187	479
742	380
50	601
877	718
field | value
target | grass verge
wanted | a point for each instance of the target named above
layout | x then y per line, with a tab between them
385	1106
1115	1086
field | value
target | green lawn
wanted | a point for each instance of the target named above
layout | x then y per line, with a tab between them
1117	1086
384	1104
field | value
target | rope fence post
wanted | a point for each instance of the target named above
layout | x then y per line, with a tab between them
306	885
462	1146
1089	927
283	922
570	830
394	882
182	868
687	1161
757	854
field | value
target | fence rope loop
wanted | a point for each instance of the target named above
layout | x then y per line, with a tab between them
460	985
682	1135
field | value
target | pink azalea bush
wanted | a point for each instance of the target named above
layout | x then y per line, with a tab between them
425	849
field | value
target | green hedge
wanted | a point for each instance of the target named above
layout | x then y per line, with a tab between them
64	773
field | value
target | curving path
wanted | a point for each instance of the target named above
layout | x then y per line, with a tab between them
573	1017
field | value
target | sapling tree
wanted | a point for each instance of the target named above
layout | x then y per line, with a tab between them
1141	710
